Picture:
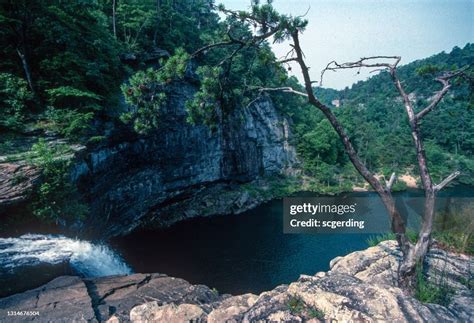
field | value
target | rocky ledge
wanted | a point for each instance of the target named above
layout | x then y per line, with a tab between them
359	287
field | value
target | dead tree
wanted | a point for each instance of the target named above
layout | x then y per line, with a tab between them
271	24
414	253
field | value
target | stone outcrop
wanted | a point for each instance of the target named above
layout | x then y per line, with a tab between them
359	287
16	183
141	178
128	179
72	299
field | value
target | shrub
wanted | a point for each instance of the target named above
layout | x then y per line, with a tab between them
14	99
70	123
145	92
56	198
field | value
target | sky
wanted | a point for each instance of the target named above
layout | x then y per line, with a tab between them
346	30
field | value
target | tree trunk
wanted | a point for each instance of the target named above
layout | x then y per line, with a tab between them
397	222
416	254
26	69
114	26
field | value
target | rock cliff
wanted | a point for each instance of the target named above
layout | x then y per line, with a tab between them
129	178
137	179
359	287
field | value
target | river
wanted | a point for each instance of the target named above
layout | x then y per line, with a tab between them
234	254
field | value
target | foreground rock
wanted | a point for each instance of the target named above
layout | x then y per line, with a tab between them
72	299
359	287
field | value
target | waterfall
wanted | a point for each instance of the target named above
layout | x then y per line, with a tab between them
86	258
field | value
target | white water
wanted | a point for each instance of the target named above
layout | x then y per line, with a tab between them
87	259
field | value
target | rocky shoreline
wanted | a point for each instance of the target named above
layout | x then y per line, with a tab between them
358	287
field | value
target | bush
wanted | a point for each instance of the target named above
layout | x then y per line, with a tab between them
14	99
56	198
70	123
145	92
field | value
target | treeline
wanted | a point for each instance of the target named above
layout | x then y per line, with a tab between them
374	116
66	65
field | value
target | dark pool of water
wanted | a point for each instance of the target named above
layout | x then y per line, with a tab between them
243	253
234	253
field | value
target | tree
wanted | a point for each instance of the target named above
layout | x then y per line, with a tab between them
413	254
269	23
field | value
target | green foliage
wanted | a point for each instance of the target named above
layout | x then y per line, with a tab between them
68	52
315	313
273	187
144	24
373	115
453	228
71	124
375	240
436	290
231	75
427	69
67	95
54	200
297	306
399	186
146	92
96	139
204	107
14	99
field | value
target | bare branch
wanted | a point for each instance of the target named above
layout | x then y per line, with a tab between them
285	89
287	60
207	47
367	62
390	182
304	15
231	56
444	80
446	181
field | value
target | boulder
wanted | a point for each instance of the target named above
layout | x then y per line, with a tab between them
64	299
152	312
16	183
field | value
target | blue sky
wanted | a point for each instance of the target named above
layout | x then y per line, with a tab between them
345	30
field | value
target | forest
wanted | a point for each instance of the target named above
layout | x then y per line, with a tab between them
372	111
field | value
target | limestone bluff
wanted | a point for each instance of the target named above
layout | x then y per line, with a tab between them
175	172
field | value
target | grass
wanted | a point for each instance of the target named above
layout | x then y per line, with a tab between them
376	239
297	306
435	291
372	241
315	313
468	282
453	228
461	242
